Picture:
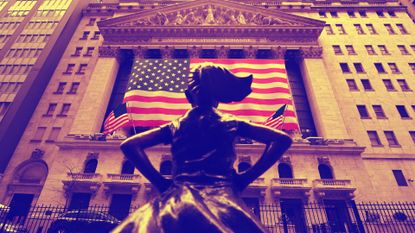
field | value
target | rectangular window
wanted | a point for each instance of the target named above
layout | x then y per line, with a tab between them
371	29
89	52
359	29
82	68
4	106
363	14
388	84
389	28
383	50
379	67
85	35
413	48
391	138
51	109
74	88
350	50
334	14
329	29
364	114
91	22
392	13
380	14
380	114
366	85
340	29
412	66
64	110
359	68
374	138
54	133
401	28
399	177
69	69
322	14
351	14
402	111
60	88
39	134
394	68
412	134
403	50
370	50
352	85
77	52
345	67
96	35
337	50
404	85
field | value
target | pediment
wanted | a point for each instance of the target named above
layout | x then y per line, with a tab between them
211	13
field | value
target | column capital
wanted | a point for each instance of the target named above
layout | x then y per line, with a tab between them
194	52
222	52
250	52
108	51
312	52
139	52
278	52
167	52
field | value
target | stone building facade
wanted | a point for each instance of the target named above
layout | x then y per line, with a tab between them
351	69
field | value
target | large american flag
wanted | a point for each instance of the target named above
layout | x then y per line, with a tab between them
155	92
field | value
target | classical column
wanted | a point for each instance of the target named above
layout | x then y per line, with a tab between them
324	107
222	52
167	52
194	52
250	52
91	112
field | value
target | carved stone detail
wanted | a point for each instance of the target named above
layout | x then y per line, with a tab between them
278	52
312	52
108	51
194	52
37	154
139	52
167	52
250	52
92	155
208	15
222	52
245	159
285	159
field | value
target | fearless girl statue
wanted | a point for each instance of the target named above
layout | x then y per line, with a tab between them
203	195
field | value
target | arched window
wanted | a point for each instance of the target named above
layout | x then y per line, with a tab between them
91	166
243	166
325	171
285	171
33	172
127	168
166	167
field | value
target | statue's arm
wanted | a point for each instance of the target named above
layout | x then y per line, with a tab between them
133	149
277	143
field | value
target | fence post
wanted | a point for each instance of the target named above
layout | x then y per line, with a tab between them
357	216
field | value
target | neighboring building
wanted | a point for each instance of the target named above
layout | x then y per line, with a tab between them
351	70
410	4
34	35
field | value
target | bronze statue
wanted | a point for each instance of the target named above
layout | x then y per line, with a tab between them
203	195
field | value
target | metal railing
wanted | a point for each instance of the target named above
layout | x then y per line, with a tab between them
286	216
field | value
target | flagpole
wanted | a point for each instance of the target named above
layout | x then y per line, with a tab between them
130	117
283	116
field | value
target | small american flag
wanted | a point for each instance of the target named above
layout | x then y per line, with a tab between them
155	92
277	119
117	119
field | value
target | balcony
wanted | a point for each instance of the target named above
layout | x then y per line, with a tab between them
290	187
82	182
122	183
256	188
333	187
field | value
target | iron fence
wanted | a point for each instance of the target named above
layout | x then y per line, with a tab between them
287	216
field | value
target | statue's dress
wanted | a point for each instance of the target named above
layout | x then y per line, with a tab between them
202	198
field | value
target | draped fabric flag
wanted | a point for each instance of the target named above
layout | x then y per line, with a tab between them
277	119
155	92
118	118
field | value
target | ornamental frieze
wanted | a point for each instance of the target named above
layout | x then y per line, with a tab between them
209	15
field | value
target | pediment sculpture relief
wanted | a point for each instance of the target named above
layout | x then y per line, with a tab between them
209	15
